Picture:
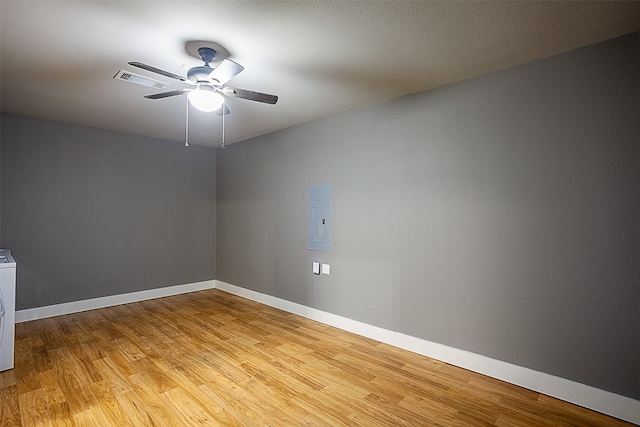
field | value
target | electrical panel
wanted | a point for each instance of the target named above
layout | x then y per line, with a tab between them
319	218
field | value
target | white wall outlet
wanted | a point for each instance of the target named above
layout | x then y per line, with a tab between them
326	269
315	267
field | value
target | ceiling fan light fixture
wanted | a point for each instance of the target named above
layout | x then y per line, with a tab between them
205	98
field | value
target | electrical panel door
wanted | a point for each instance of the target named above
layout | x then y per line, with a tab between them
319	218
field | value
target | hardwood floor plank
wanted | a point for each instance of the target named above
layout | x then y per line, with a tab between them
193	413
471	404
236	402
27	377
272	407
72	379
33	408
573	412
151	376
232	399
55	398
112	413
139	413
130	351
358	406
500	388
227	367
211	358
429	409
114	377
89	417
158	352
10	406
336	379
147	408
404	386
7	378
322	413
412	418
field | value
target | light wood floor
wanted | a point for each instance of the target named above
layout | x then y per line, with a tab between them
210	358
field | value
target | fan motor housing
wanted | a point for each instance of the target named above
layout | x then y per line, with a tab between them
200	74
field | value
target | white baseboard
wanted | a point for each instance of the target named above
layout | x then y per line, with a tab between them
612	404
108	301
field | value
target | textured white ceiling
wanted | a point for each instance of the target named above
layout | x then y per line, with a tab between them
58	57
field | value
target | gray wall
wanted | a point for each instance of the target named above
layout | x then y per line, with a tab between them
498	215
90	213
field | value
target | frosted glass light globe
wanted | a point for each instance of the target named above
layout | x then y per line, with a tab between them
205	98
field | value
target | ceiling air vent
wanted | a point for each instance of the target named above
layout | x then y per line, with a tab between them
138	79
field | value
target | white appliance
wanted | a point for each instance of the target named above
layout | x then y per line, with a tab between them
7	308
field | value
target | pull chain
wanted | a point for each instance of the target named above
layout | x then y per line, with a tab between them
186	127
224	108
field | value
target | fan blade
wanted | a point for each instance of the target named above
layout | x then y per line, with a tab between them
223	111
159	71
250	95
168	94
225	71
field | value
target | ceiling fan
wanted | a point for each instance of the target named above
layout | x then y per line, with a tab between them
209	84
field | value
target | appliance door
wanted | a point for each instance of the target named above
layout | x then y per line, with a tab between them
1	317
7	309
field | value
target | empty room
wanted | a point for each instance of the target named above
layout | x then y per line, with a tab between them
319	213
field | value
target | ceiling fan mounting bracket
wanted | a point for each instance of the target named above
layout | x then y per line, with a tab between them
207	54
193	46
